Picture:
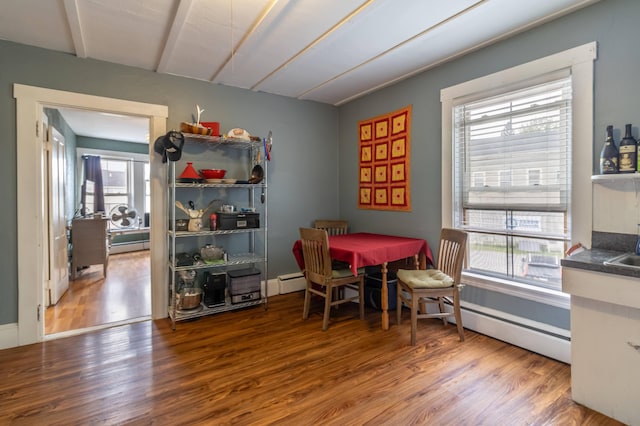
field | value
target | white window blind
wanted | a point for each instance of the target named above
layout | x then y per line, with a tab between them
518	213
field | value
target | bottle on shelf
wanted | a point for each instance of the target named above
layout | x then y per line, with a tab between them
213	222
628	152
609	154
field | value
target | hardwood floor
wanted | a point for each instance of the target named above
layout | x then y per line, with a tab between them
94	300
254	367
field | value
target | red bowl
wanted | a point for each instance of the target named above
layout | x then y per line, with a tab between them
212	173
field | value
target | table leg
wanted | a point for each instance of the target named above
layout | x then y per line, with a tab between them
420	261
385	298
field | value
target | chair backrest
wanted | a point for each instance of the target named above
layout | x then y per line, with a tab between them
451	252
315	250
333	227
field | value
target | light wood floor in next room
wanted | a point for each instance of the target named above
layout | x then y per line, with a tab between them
93	300
260	367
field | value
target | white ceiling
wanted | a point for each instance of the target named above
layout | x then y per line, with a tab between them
106	125
329	51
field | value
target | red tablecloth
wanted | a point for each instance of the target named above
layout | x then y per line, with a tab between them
364	249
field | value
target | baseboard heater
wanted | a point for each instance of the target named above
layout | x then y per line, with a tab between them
291	282
534	336
128	247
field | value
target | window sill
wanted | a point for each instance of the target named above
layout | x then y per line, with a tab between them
535	294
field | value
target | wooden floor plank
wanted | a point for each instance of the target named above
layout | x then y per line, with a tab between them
257	366
93	299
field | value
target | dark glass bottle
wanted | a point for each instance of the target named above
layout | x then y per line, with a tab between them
628	152
609	154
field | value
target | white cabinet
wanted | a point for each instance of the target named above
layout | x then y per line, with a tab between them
605	342
244	242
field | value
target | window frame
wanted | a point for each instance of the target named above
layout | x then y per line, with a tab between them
578	62
133	185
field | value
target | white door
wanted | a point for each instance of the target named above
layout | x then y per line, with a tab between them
58	281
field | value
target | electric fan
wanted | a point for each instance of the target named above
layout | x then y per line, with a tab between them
123	217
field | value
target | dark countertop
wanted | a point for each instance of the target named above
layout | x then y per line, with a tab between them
593	260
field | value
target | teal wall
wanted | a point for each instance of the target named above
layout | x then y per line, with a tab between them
303	180
111	145
313	172
613	24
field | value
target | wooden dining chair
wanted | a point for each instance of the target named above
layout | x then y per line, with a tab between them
322	279
332	226
435	285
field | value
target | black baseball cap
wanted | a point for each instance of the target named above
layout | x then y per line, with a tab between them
169	146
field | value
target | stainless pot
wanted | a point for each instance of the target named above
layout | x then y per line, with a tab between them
190	298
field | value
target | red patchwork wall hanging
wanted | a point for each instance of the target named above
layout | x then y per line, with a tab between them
384	144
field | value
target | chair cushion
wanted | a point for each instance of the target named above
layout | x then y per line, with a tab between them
341	273
420	278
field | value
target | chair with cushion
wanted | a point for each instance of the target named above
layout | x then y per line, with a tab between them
322	279
333	227
435	285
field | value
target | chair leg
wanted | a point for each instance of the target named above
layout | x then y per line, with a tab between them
414	318
458	314
307	301
398	303
361	297
441	307
327	307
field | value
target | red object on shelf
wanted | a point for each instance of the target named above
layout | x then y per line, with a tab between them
213	173
213	125
189	172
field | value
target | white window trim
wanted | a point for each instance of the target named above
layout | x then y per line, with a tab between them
115	155
579	61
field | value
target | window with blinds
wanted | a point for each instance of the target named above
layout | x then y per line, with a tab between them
512	181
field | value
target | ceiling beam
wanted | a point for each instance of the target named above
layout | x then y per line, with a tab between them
252	30
311	45
75	27
179	21
386	52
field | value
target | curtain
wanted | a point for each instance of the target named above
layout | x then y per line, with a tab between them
93	173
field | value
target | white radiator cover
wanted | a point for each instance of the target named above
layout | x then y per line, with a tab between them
291	282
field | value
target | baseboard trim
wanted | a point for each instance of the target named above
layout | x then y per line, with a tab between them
8	335
129	247
272	287
526	334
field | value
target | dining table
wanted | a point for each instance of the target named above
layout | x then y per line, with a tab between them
361	249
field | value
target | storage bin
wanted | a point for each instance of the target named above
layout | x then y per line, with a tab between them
244	285
228	221
373	290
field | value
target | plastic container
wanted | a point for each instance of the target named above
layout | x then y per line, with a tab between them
373	290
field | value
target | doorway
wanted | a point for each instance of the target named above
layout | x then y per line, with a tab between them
117	291
31	239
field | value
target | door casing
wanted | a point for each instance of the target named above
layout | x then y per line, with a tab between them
31	187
